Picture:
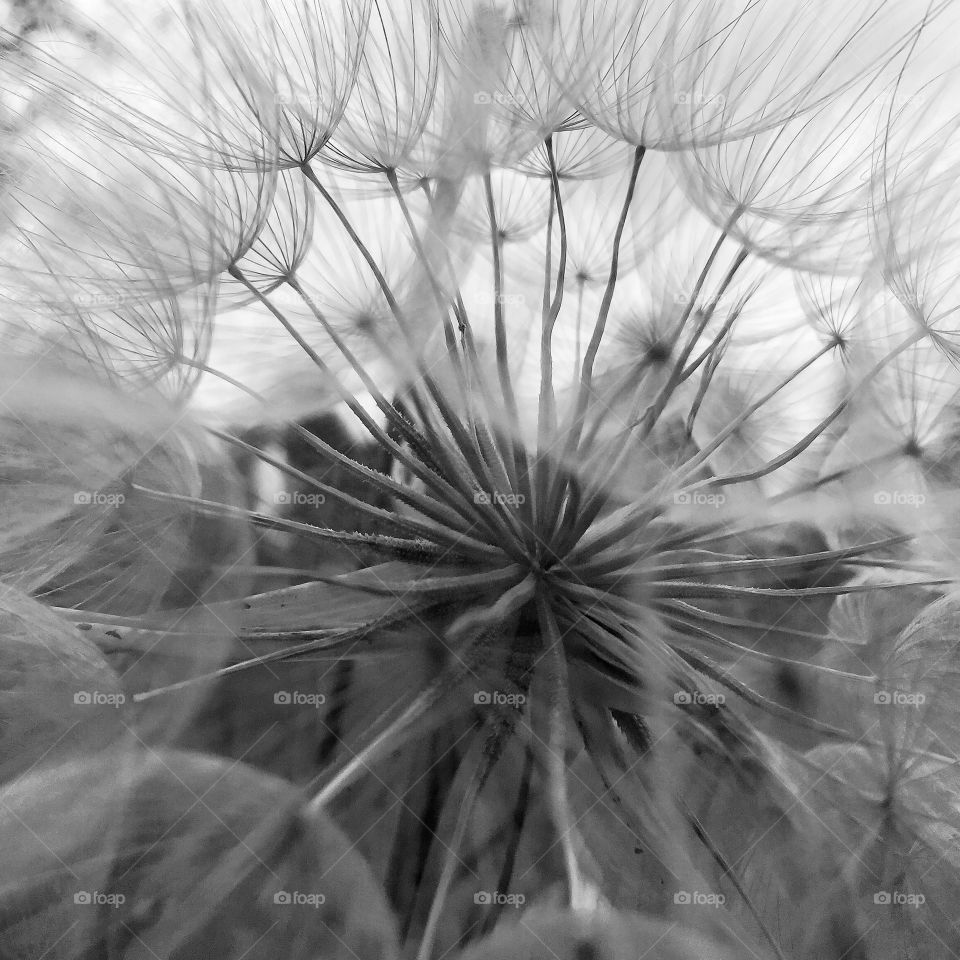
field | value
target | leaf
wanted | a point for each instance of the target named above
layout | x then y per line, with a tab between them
277	616
210	858
58	696
327	605
65	438
164	552
427	581
59	828
73	522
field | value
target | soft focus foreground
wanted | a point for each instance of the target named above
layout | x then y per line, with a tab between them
479	480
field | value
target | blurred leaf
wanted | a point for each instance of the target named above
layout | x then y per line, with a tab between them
59	829
321	605
73	523
58	696
210	859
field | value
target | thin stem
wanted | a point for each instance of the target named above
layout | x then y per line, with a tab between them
463	491
866	464
517	465
586	371
480	769
577	358
361	247
620	523
432	508
809	438
423	705
500	331
474	372
706	378
551	307
442	304
652	413
429	476
436	532
520	809
346	396
629	380
436	394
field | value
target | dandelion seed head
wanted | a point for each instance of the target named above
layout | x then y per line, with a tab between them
618	295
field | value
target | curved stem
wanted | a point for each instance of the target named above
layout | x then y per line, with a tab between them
804	442
546	419
442	305
586	371
517	464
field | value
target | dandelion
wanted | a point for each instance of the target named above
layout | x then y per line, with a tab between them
750	67
396	81
89	221
811	213
559	640
307	55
